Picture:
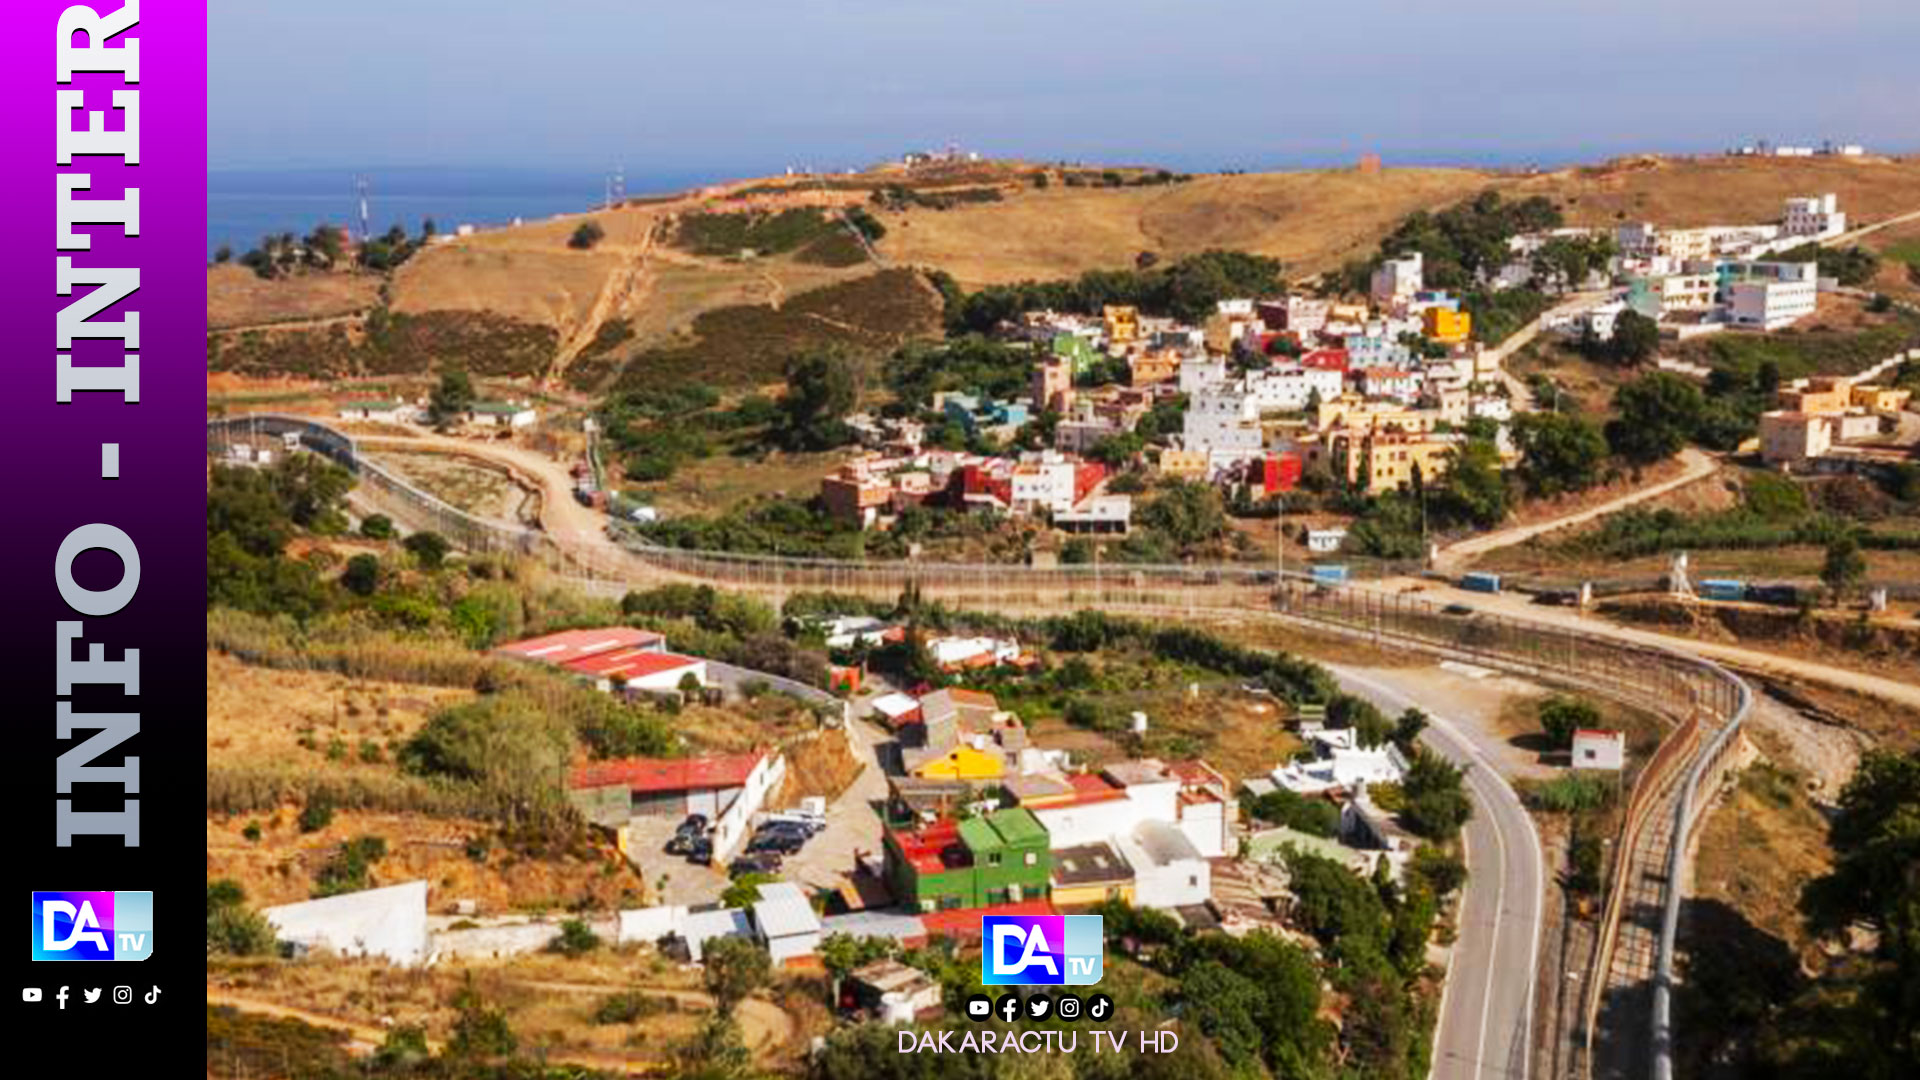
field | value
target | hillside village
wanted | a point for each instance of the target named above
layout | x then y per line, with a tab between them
765	823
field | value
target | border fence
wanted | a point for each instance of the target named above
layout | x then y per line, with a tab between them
1641	914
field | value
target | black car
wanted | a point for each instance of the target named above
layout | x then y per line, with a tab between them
700	850
1456	609
695	825
783	843
795	828
679	844
765	862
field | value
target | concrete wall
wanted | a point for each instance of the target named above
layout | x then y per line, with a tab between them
389	922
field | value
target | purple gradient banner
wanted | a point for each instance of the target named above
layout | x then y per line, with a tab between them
104	458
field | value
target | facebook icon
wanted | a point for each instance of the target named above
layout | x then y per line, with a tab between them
1041	950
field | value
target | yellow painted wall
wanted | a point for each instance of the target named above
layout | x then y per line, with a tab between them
1448	326
1086	895
961	763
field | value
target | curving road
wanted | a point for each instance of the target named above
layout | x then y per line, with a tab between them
1486	1008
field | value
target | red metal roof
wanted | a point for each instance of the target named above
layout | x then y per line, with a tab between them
669	774
1330	359
965	922
933	848
570	645
629	664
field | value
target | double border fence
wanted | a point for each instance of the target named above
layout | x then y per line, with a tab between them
1641	915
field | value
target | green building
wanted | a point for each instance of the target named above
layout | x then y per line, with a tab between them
1077	350
998	858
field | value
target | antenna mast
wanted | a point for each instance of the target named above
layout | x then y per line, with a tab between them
360	188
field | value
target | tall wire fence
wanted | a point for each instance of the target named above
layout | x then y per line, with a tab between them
1639	928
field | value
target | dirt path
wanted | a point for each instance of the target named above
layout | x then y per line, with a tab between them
1450	558
625	286
763	1025
1867	230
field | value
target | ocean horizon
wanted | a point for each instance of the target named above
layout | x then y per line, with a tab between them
244	205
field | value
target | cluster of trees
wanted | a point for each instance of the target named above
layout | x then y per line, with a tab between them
284	254
1465	241
1472	494
252	514
1634	341
1853	266
1559	452
1186	289
586	236
233	928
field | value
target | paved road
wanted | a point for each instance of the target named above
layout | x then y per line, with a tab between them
1450	558
1486	1010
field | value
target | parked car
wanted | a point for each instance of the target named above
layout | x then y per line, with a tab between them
700	851
796	828
1456	609
765	862
784	843
694	825
680	843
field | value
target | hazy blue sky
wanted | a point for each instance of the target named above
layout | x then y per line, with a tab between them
748	85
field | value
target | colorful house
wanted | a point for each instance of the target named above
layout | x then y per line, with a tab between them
1445	326
962	762
995	859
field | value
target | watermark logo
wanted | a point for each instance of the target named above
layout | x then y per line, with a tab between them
92	925
1041	950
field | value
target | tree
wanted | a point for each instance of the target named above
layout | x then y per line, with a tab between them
480	1031
733	968
822	388
1407	729
1475	491
1436	797
1845	566
1558	453
575	938
1227	1006
1657	414
1560	716
377	527
586	236
362	575
429	547
452	396
1635	339
744	890
232	928
223	254
1875	879
1186	512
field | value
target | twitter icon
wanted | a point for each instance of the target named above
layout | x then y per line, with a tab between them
91	995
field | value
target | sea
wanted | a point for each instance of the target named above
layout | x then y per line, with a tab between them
245	205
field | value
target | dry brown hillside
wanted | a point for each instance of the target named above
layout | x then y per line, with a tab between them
1724	190
1309	220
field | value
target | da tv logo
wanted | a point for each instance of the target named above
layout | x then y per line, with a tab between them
92	925
1040	950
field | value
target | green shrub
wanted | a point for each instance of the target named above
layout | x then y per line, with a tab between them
316	815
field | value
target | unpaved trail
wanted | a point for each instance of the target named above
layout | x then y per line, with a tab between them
626	285
1698	465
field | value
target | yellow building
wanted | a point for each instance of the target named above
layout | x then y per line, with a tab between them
1185	464
963	762
1816	396
1880	398
1446	326
1382	461
1149	368
1355	412
1089	874
1122	323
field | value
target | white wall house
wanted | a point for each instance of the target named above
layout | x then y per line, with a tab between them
1168	871
1814	217
1340	763
1771	303
785	922
389	923
1396	280
1223	423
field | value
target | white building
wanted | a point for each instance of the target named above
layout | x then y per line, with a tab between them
1198	373
1774	295
1396	280
389	923
1340	763
514	414
1814	217
1599	749
1168	870
1325	541
1224	424
961	652
785	922
700	927
1290	387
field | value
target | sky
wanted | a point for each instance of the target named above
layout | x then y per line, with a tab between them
751	86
